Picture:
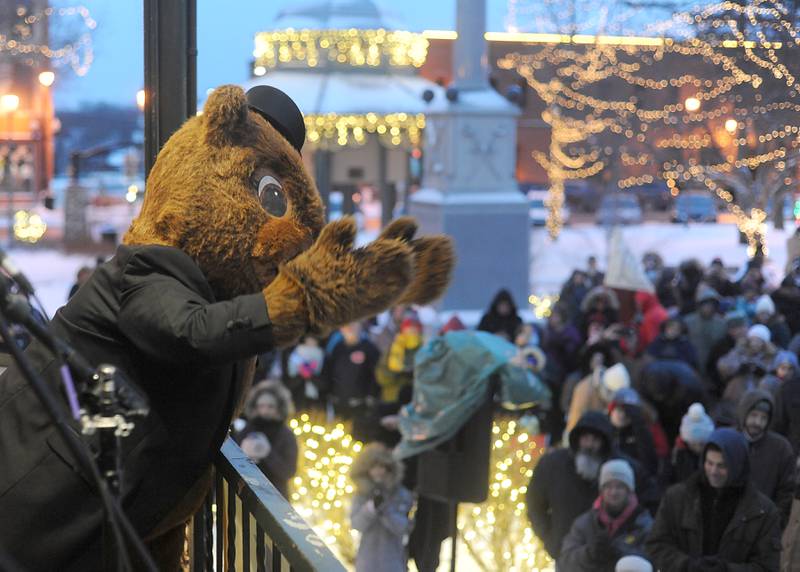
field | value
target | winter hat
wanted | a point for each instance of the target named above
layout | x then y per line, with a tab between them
633	563
614	378
706	293
735	318
696	425
625	396
759	331
617	470
785	356
409	322
454	324
765	304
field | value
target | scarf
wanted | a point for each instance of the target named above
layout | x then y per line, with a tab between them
613	524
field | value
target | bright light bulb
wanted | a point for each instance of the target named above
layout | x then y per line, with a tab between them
692	104
731	125
46	78
140	98
9	102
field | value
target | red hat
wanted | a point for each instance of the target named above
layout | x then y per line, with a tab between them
454	324
410	321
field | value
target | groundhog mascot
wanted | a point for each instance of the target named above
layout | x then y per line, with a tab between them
229	258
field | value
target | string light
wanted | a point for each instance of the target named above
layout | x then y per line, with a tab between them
395	129
496	533
28	227
357	48
725	113
542	305
78	55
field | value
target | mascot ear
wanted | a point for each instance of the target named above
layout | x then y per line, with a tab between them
225	116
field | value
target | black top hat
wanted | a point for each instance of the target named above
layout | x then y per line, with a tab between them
280	111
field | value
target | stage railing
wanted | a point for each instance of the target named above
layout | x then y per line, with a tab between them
245	524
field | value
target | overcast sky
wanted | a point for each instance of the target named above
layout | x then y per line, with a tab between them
225	35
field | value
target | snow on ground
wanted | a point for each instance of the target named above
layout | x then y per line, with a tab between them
53	272
553	260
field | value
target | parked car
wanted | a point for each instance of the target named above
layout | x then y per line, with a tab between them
619	209
694	207
539	209
653	196
581	195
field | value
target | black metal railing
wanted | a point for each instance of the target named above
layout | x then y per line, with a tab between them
246	524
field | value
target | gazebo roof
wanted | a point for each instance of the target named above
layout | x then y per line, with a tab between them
351	93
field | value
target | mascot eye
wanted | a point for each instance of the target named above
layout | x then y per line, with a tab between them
270	193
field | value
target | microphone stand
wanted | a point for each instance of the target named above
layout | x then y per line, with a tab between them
104	389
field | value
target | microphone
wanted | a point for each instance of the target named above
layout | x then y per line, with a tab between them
8	265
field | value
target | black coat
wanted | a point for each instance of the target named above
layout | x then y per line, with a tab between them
786	419
751	538
151	312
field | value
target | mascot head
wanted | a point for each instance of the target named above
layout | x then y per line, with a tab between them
229	188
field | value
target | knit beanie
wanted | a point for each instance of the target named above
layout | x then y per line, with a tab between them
614	378
759	331
765	304
633	563
696	425
617	470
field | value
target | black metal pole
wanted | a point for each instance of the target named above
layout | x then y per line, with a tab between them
170	71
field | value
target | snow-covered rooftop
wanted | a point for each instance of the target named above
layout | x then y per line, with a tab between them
351	92
334	15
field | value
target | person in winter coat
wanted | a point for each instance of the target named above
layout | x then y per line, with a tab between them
266	439
572	294
772	460
705	326
615	526
784	367
780	335
564	481
653	314
395	368
787	297
501	319
736	329
673	344
671	387
696	428
348	373
594	392
745	366
787	409
380	510
601	305
685	285
637	434
560	341
717	277
717	520
303	368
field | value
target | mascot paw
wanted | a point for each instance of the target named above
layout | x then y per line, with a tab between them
434	257
341	284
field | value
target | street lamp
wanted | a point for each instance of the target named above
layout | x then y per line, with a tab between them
140	99
9	102
731	125
46	78
691	104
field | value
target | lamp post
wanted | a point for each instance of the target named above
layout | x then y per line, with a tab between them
8	105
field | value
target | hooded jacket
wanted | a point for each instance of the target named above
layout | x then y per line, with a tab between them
495	323
382	528
750	536
772	460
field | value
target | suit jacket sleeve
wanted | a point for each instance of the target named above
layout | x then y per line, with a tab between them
171	322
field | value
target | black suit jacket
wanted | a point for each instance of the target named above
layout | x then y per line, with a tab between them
151	312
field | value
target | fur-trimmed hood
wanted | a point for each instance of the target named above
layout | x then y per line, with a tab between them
598	292
371	455
272	387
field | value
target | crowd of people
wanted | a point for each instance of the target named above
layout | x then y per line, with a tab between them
673	434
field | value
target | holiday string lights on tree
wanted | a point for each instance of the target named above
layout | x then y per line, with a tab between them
711	103
18	37
495	534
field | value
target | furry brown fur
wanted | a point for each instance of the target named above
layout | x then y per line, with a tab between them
202	197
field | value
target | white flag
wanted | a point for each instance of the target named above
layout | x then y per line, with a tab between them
624	269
